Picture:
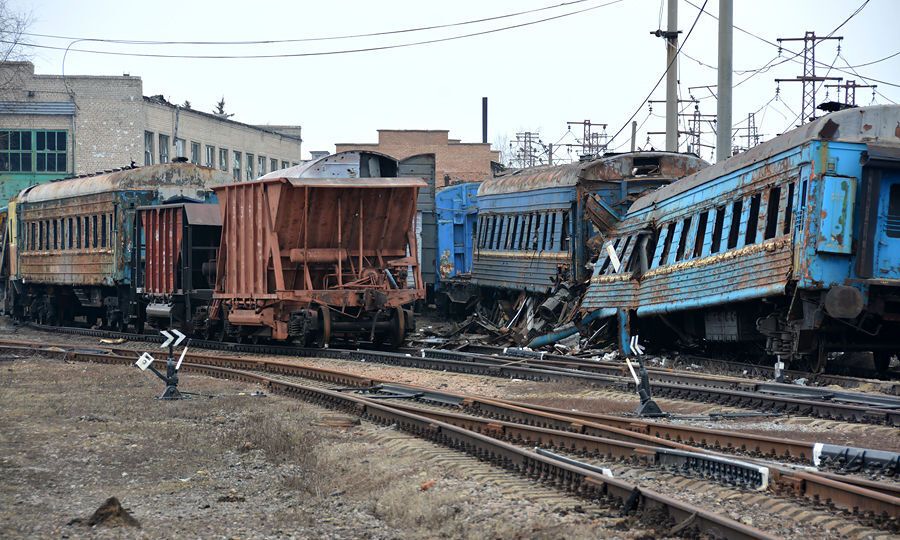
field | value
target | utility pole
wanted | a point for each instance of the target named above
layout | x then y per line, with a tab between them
633	134
850	87
809	79
671	37
723	104
752	135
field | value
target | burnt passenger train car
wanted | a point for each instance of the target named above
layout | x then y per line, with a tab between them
535	226
71	253
793	246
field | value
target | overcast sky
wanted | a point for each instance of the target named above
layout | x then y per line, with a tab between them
597	65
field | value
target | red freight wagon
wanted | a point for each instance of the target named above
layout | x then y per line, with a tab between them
174	274
307	259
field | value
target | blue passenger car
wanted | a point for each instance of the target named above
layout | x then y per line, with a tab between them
457	224
792	247
535	225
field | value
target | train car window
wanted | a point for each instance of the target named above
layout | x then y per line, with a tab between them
624	255
564	244
492	241
31	237
550	234
526	228
535	230
94	231
717	230
71	234
892	224
801	204
62	233
668	245
55	234
86	230
518	223
772	213
736	209
682	240
701	233
752	220
40	244
608	267
103	232
789	209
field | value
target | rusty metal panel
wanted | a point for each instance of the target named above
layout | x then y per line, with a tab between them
203	214
163	228
284	238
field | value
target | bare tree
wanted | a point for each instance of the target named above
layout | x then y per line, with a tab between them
13	26
220	109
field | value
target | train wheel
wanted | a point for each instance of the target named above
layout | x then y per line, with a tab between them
324	335
398	327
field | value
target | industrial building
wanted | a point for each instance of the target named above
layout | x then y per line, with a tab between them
54	126
454	161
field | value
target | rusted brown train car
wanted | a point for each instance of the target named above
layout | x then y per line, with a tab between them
309	259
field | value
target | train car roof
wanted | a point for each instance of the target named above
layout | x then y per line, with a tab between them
611	167
348	183
876	124
350	164
178	179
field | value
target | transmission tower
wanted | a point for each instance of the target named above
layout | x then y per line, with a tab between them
849	88
525	153
809	79
592	142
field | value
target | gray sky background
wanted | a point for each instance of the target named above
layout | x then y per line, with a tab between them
596	65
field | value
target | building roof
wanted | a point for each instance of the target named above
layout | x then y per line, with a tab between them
159	100
875	124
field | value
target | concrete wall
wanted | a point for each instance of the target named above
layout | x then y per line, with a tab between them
454	161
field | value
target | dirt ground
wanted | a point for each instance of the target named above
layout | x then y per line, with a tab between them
239	466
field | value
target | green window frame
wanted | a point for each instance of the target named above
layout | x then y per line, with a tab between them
34	151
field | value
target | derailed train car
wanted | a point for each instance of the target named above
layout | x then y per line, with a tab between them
71	253
793	246
317	251
535	227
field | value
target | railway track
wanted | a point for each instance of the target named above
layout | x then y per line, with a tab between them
889	384
582	434
726	391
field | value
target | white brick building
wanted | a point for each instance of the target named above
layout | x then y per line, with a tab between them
52	127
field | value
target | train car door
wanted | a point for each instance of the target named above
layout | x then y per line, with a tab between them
887	239
879	253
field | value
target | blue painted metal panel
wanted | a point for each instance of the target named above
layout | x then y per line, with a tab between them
457	215
838	195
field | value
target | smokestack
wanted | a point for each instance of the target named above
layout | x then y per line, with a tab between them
484	120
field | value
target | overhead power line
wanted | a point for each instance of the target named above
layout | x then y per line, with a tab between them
300	40
324	53
661	77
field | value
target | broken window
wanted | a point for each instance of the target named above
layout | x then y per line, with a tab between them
163	148
535	231
735	229
223	159
701	233
523	234
210	157
682	240
892	223
250	175
665	252
236	165
752	220
148	148
261	165
772	213
717	230
549	233
789	209
564	244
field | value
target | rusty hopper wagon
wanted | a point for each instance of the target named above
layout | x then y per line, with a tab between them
307	259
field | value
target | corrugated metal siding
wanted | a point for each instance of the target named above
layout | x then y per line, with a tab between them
422	166
528	273
713	280
162	230
66	108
